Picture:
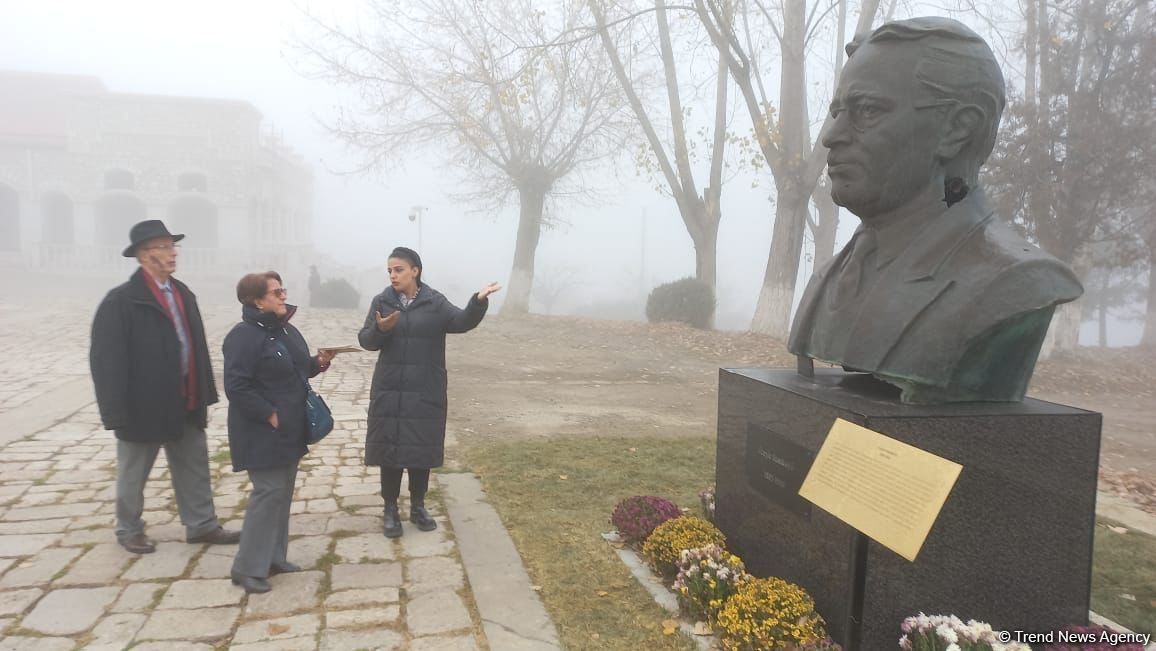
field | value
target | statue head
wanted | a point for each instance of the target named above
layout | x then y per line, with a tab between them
916	110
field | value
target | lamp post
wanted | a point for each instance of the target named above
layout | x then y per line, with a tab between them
415	214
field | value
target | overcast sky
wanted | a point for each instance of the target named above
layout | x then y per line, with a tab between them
239	49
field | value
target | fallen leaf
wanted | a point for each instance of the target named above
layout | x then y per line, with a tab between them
603	593
563	477
595	636
536	588
277	629
1129	597
1118	529
702	628
634	449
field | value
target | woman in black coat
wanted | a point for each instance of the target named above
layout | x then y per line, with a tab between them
408	323
266	361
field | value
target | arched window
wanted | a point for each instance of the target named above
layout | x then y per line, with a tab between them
192	182
56	213
115	215
119	179
196	217
9	219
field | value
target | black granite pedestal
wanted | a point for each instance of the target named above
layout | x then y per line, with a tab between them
1012	545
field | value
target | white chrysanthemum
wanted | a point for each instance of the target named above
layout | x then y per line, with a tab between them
947	634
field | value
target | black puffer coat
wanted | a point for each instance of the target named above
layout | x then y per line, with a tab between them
265	358
407	403
135	360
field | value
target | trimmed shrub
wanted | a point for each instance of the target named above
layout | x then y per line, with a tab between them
688	300
635	517
336	293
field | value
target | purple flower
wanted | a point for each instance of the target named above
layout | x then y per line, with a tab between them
636	517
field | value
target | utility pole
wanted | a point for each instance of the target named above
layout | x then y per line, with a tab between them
415	214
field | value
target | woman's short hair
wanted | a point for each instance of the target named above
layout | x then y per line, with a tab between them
254	286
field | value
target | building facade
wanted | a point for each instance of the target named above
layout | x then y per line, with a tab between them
79	165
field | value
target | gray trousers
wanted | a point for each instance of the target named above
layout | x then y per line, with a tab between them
265	534
188	458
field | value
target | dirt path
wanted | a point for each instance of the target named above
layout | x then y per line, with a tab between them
540	376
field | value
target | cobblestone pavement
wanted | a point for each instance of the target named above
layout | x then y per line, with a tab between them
66	584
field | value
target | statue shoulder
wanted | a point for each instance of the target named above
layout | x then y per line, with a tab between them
1024	269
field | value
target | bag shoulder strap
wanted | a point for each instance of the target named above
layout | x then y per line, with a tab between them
282	346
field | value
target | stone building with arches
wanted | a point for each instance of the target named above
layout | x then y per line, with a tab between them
80	164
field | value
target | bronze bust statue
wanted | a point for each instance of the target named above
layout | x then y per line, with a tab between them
934	293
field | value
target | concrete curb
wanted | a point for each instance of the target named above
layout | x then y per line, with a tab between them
659	592
513	616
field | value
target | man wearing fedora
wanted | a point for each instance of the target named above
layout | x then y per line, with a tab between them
154	384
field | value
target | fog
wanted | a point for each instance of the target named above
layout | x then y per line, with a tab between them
610	249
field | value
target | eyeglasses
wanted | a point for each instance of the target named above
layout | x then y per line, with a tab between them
162	247
279	292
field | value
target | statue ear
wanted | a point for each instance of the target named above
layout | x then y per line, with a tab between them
962	128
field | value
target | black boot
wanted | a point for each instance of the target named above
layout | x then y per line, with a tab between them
419	516
392	521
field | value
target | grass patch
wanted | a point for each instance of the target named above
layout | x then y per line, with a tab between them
1125	564
555	498
556	523
326	562
223	456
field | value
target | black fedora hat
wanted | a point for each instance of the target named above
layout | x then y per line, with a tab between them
145	231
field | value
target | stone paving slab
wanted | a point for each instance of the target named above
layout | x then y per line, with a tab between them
195	625
435	612
459	643
277	629
69	611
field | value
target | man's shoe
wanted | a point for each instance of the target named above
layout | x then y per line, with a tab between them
251	584
138	544
218	536
392	521
284	567
421	517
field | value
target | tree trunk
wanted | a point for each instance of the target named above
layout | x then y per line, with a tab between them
532	199
706	248
1149	337
773	312
828	224
1102	306
1064	333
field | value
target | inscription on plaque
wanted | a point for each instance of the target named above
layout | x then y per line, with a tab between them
776	468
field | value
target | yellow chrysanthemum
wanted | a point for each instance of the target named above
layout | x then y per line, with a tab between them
769	614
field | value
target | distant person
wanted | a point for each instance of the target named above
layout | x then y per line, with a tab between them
154	384
408	323
314	286
266	363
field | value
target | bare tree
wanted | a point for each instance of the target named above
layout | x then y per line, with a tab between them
700	213
784	135
1072	167
455	75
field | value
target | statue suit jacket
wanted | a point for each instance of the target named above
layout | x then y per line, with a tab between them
959	315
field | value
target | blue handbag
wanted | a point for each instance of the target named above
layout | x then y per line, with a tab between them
316	410
320	417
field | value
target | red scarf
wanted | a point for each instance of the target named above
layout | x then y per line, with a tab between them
189	391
